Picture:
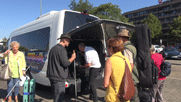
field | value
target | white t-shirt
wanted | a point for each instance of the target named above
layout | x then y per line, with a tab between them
91	56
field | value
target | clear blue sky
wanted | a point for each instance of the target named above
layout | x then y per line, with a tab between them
15	13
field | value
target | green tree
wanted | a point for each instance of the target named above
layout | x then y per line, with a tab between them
175	30
154	24
109	11
104	11
81	6
4	40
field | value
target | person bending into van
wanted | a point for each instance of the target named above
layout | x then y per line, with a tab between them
157	88
57	70
92	62
130	52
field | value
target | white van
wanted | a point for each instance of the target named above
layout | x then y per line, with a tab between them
38	37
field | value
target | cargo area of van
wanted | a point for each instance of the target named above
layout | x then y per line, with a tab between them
82	74
94	34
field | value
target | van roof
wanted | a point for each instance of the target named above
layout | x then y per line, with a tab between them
39	19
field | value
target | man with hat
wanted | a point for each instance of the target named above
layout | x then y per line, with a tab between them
130	52
57	70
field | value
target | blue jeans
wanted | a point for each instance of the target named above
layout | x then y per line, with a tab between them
11	83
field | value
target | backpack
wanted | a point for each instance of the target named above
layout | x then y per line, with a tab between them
165	68
148	72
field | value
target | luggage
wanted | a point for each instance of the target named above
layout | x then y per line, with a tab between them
29	90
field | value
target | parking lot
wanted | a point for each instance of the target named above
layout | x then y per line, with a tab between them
171	90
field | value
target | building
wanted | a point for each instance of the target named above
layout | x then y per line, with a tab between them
165	12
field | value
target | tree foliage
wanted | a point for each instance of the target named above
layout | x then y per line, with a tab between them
154	24
104	11
109	11
81	6
175	29
5	39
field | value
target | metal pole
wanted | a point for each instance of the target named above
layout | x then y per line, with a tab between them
40	7
75	82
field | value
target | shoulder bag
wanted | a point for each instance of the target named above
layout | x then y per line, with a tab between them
127	88
5	72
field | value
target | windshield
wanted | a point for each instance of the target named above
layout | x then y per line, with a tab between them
170	49
157	46
72	20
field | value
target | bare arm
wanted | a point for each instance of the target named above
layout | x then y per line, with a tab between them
107	72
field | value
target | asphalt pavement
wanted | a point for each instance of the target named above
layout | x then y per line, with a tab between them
171	89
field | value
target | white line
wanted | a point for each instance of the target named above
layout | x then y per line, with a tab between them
173	78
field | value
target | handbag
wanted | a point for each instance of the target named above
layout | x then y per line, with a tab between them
127	88
5	72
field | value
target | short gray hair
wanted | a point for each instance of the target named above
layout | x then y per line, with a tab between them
14	43
152	48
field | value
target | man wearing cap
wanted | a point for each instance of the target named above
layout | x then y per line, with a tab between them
57	70
130	52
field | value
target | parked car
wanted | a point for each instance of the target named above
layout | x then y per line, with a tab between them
178	47
172	52
158	48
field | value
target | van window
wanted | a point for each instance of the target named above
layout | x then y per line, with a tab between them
34	41
72	20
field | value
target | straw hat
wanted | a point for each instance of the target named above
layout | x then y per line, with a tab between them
124	33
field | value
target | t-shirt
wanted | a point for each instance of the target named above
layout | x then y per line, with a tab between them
158	59
128	55
91	56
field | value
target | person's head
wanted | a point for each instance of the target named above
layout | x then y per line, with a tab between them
152	49
124	34
15	46
115	45
65	40
81	47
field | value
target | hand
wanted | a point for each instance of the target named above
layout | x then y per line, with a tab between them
80	66
7	51
24	73
74	54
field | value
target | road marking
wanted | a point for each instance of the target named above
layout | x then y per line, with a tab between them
173	78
